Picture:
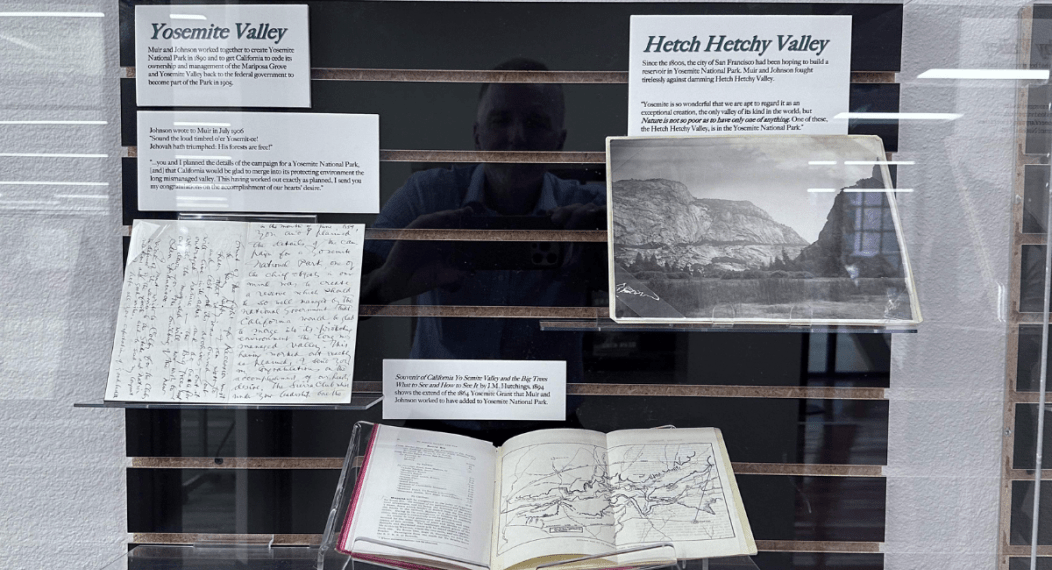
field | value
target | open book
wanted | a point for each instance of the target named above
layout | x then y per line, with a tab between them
435	500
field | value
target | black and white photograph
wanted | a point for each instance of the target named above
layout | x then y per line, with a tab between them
756	229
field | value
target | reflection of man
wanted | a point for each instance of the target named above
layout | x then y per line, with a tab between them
510	117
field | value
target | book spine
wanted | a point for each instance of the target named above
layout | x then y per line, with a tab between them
357	490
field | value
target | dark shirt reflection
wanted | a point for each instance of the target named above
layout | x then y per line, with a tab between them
509	117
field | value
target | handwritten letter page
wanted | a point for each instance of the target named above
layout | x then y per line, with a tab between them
228	312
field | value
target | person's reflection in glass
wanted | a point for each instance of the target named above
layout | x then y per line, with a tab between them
509	117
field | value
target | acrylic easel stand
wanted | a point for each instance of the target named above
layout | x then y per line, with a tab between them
649	557
328	557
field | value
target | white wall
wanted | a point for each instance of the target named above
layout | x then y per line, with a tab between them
947	382
62	497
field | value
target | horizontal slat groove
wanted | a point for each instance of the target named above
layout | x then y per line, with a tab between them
218	539
505	156
1030	159
467	76
1023	397
817	546
315	539
1030	239
491	312
576	236
500	76
873	77
590	236
808	470
1026	475
236	462
334	463
701	391
1024	550
707	391
471	156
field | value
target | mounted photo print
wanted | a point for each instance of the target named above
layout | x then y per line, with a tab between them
751	229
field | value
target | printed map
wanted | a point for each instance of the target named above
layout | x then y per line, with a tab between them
649	493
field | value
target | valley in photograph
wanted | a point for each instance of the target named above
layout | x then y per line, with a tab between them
751	228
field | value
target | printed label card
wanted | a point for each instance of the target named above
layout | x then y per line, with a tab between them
725	75
222	55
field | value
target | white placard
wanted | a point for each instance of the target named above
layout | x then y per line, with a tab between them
258	162
474	389
705	75
230	55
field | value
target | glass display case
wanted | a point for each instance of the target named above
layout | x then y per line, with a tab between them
900	444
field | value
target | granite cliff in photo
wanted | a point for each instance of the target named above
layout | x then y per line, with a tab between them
660	220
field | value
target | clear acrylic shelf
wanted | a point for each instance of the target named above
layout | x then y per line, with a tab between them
216	557
360	401
609	325
255	556
249	217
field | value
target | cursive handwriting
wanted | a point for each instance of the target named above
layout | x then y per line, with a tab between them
225	311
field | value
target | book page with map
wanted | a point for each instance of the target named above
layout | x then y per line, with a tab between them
553	498
568	493
676	485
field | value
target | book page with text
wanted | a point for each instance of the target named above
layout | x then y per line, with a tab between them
553	497
428	491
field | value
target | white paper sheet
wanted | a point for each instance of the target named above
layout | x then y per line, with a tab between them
245	313
475	389
258	162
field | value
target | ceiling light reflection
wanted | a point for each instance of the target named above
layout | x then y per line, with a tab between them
900	116
48	122
51	155
49	183
26	202
51	14
984	74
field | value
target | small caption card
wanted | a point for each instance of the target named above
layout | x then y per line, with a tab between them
729	75
474	390
233	55
258	162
